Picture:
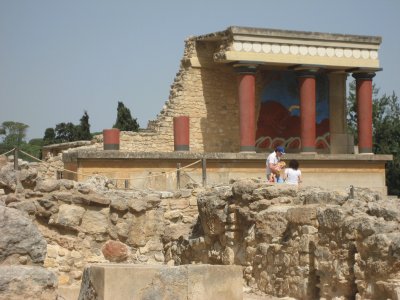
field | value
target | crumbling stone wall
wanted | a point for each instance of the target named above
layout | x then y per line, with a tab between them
91	222
207	94
304	243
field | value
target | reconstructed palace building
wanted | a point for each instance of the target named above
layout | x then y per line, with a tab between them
241	92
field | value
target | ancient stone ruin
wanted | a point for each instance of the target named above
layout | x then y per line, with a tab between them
306	243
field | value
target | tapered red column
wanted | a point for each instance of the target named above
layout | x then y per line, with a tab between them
307	85
181	133
364	110
246	91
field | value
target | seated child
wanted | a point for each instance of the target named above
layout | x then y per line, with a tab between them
278	178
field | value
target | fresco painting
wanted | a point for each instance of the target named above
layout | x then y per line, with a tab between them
279	116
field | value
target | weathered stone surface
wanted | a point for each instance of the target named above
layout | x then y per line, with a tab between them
244	189
90	199
119	203
27	282
12	198
67	184
211	212
115	251
27	177
335	247
8	179
137	205
302	215
28	206
271	223
69	216
62	196
320	196
19	236
47	186
95	220
137	231
160	282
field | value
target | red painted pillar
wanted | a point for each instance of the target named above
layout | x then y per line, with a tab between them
181	133
247	96
364	110
111	139
307	85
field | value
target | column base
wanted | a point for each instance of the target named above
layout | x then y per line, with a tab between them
181	148
365	150
306	150
247	149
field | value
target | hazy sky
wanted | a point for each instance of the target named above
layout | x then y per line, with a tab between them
60	58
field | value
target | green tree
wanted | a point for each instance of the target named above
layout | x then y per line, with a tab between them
125	122
14	133
386	131
49	136
65	132
33	147
83	130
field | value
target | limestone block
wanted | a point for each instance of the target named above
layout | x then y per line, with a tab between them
271	224
95	221
302	215
69	215
91	199
20	236
137	232
118	203
47	186
189	282
137	205
27	282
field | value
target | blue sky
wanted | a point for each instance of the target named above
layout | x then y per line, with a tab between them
60	58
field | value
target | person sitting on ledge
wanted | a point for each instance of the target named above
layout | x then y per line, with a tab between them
272	165
293	174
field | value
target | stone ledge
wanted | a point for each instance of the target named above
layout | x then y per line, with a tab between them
123	281
73	156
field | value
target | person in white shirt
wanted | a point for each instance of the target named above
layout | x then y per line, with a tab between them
293	174
272	162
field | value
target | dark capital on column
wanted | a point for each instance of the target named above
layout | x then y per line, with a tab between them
364	75
245	68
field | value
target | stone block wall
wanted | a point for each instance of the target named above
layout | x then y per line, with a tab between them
306	243
91	222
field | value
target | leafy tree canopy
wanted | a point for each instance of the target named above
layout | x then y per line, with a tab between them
65	132
124	121
14	133
49	136
68	132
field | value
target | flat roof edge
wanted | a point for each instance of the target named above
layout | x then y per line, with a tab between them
294	34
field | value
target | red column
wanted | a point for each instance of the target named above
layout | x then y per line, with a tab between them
364	110
181	133
307	85
247	95
111	139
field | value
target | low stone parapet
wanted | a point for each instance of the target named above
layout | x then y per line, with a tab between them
124	281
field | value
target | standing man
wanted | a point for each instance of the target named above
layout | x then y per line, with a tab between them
272	162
